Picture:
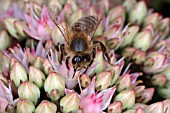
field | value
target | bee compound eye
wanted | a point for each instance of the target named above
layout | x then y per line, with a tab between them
76	59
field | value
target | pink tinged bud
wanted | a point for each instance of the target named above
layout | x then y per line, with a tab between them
143	40
138	13
12	62
123	82
159	80
139	105
25	105
164	26
149	62
155	108
54	82
91	104
139	56
152	19
85	80
47	67
166	106
28	90
139	90
146	96
164	91
159	64
112	43
46	107
160	44
116	12
18	74
128	52
115	107
36	76
70	103
139	110
54	5
38	63
98	58
5	40
130	35
3	104
127	97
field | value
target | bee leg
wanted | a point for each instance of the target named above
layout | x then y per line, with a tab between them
67	63
103	48
61	48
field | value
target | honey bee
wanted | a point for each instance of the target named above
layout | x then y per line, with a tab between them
80	47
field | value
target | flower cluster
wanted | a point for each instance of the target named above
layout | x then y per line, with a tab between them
34	78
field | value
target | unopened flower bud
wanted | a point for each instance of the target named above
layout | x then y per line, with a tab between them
47	67
139	110
139	105
76	15
10	109
70	103
138	13
123	82
36	76
152	19
103	80
166	72
112	43
28	90
128	52
159	80
46	107
155	108
149	62
139	56
38	63
53	82
128	4
85	80
116	12
12	62
25	105
115	107
5	40
18	74
127	97
139	90
73	5
143	40
98	58
164	26
130	35
164	91
146	96
19	27
49	45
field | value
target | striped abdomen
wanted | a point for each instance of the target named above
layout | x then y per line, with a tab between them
86	24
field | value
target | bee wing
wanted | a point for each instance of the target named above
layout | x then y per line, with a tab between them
89	23
60	22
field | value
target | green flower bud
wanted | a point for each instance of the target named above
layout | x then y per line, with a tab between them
159	80
127	97
28	90
5	40
98	58
143	40
10	109
73	5
57	36
53	82
76	15
70	103
19	27
47	67
112	43
55	5
128	4
154	108
164	91
85	80
103	80
18	74
130	35
38	63
139	90
128	52
46	107
152	19
138	13
25	105
139	56
139	105
12	62
123	82
146	96
139	110
115	107
116	12
166	72
164	26
36	76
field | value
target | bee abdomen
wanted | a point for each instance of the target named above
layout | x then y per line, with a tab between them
86	24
